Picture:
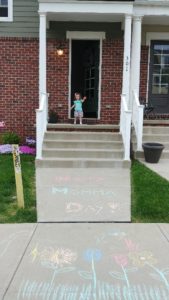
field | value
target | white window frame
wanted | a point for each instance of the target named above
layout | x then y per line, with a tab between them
85	35
161	36
10	13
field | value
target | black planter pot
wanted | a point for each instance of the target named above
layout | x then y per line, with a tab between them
152	152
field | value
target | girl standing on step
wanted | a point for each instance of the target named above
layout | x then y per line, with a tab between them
78	112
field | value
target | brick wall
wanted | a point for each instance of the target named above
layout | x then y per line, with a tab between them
19	81
112	70
58	72
57	79
19	84
144	71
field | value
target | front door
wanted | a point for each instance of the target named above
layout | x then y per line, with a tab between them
159	76
85	74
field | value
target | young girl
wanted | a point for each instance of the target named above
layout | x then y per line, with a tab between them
78	112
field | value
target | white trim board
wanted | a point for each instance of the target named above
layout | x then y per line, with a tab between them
156	36
10	13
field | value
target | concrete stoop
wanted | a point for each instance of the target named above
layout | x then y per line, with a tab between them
82	149
156	134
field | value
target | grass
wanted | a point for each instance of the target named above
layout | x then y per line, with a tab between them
9	212
150	195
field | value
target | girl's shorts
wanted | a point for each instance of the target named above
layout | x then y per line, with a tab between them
78	114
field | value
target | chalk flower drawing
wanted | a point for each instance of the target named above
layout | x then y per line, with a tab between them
54	258
92	256
122	261
140	259
59	260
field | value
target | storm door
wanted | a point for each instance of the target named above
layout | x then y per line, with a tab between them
85	74
159	76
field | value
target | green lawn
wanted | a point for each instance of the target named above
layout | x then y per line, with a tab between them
9	212
150	195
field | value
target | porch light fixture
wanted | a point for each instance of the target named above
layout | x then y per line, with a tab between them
59	50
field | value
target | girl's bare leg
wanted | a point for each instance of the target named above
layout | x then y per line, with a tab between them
80	121
74	120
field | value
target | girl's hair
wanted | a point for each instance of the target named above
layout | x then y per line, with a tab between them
77	93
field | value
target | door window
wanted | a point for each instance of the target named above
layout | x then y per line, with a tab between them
160	69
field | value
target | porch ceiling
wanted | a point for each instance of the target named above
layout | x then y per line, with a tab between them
83	17
156	20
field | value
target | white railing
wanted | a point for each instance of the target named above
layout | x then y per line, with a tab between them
137	119
41	123
125	126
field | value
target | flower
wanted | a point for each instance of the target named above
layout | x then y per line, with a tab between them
92	254
7	148
27	150
2	124
30	141
121	260
140	259
55	258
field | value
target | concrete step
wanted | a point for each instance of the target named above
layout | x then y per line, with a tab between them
156	130
83	127
77	135
158	138
140	154
81	144
82	163
82	153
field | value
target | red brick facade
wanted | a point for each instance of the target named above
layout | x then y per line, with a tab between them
19	83
57	79
144	71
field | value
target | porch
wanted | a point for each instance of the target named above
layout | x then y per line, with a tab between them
114	61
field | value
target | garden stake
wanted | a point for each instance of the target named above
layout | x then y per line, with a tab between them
18	176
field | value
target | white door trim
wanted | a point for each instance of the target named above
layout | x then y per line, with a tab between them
85	35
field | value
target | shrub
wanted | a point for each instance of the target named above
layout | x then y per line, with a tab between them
10	138
53	117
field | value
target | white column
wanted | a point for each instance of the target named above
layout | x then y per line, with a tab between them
136	55
42	54
126	57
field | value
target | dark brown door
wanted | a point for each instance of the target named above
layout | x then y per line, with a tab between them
159	76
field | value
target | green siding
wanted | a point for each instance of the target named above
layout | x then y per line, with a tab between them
26	24
25	20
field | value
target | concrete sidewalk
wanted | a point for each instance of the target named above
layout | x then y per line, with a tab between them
84	261
161	168
92	195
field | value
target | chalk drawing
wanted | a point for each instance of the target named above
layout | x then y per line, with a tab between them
91	192
122	261
115	233
83	179
105	291
92	256
75	207
121	268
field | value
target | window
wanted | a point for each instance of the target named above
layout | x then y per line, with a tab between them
160	67
6	10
